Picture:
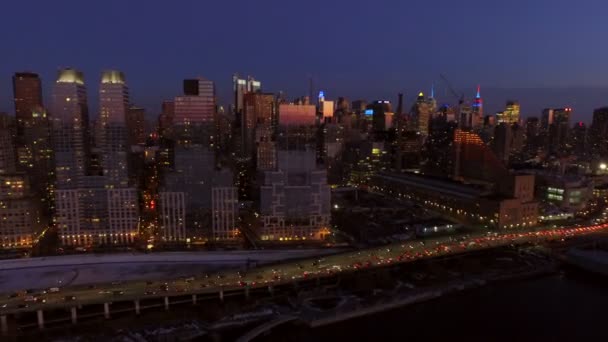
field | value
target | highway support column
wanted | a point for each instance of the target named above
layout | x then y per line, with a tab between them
137	309
40	315
3	325
271	290
194	299
74	315
247	292
221	295
106	310
167	303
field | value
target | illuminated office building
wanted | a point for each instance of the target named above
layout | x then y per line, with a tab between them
510	115
197	105
477	111
421	115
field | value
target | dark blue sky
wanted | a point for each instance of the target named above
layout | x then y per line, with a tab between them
358	49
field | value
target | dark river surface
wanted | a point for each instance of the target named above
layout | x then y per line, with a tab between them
571	306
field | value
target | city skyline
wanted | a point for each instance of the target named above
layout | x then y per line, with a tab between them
346	51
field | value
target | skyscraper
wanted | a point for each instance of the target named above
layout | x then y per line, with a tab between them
112	133
195	112
477	111
259	111
510	114
421	115
556	125
7	150
27	90
579	140
70	127
92	209
598	133
379	110
197	105
136	126
294	197
242	87
508	141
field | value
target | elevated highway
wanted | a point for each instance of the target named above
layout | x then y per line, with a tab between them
107	299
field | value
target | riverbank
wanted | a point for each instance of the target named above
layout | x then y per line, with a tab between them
415	297
560	306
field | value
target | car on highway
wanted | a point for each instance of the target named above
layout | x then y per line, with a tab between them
69	298
118	293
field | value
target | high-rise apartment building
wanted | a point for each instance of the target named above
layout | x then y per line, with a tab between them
111	133
224	201
93	207
195	175
70	128
295	199
172	216
19	212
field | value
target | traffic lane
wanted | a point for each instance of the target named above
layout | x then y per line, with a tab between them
294	271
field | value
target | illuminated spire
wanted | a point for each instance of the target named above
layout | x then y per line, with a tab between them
432	90
478	94
421	94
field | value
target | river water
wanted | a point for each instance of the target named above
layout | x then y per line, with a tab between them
571	306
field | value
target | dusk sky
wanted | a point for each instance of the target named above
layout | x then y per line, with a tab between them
541	52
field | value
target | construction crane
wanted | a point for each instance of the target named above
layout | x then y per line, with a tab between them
460	97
